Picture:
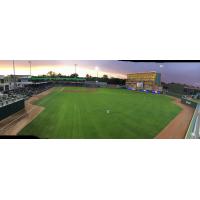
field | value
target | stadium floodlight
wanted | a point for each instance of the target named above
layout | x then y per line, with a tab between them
14	67
30	67
97	70
161	66
14	74
75	66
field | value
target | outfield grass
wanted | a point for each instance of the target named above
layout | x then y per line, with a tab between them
84	114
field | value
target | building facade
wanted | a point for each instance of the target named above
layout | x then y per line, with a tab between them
144	80
11	82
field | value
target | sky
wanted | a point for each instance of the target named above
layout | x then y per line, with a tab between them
188	73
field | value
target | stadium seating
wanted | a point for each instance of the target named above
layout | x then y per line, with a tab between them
12	96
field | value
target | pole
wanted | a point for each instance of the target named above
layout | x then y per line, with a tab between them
97	70
30	67
14	74
75	67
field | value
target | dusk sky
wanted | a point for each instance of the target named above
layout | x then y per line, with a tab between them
188	73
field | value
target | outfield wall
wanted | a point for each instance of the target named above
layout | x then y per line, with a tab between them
194	128
9	109
177	95
189	102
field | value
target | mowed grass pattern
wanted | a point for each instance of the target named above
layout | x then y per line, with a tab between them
84	114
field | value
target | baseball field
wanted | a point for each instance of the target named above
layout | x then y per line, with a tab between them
76	112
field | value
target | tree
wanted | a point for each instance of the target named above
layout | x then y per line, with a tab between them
74	75
51	74
88	76
105	76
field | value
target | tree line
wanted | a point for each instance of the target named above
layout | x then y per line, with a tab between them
104	78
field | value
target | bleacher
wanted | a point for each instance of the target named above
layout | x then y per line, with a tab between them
11	96
6	99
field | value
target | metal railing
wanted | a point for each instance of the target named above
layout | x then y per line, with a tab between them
194	128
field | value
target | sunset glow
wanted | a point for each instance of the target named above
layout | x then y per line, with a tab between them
171	72
63	67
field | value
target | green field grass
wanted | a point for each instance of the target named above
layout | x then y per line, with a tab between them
84	114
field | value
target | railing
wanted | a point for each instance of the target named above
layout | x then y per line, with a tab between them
194	128
189	102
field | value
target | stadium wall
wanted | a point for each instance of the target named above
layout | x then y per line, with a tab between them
12	108
177	95
194	128
189	102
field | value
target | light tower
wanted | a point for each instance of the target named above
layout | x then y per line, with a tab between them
161	70
161	66
30	66
75	66
14	74
97	70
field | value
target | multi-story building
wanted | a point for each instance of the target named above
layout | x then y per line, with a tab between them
4	83
10	82
144	80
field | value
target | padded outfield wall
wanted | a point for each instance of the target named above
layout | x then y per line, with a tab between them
189	102
11	108
194	128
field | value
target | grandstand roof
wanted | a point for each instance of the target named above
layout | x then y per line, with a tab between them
57	79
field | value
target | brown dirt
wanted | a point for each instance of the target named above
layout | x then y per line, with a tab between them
178	127
13	124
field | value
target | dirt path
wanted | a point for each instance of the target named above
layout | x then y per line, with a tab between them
178	127
13	124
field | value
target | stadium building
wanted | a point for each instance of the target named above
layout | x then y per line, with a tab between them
13	81
144	80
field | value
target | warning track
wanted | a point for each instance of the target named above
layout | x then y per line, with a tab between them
178	127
